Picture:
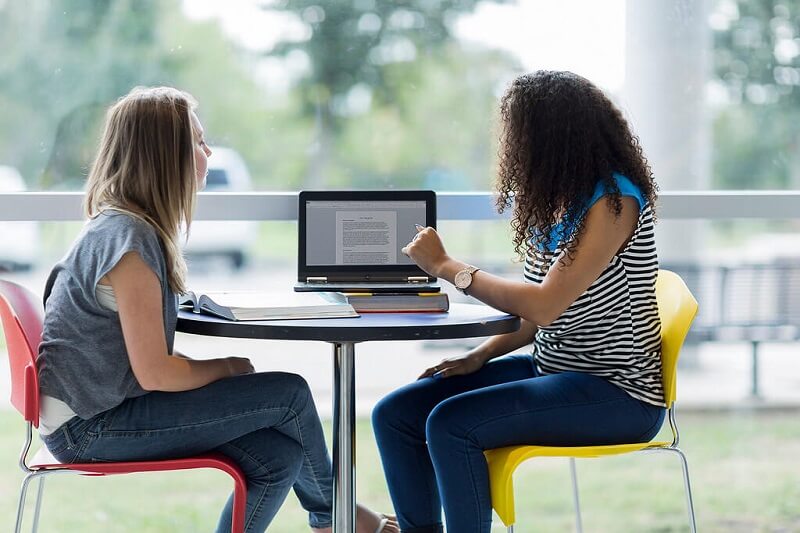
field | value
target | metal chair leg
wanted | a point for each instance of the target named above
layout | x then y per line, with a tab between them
39	496
686	484
576	498
23	493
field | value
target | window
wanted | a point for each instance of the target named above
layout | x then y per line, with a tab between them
371	94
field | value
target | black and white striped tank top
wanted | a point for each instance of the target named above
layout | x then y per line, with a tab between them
612	330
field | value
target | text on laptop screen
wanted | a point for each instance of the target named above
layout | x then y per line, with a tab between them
353	232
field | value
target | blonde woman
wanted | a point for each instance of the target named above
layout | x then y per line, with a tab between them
112	386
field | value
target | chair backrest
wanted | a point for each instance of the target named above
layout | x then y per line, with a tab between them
676	309
22	313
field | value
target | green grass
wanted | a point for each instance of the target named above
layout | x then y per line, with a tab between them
744	469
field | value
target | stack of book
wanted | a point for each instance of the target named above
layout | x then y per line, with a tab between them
365	302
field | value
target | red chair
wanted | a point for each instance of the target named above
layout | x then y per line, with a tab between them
21	314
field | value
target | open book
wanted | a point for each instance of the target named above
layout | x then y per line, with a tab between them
260	306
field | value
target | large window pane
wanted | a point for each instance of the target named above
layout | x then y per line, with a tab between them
377	94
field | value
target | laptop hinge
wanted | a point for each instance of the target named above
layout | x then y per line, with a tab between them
417	279
317	279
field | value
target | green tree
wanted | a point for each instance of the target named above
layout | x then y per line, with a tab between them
439	133
351	47
757	61
64	62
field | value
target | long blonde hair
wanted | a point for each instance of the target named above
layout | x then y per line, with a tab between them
145	167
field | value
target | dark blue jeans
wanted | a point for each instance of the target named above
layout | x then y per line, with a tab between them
432	433
266	422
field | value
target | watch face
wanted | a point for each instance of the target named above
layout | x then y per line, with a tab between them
463	279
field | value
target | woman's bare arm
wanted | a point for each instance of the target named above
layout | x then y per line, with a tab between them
489	349
139	301
503	344
604	235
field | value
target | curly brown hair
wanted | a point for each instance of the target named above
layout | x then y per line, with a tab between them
560	137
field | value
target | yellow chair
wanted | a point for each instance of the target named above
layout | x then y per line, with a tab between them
677	309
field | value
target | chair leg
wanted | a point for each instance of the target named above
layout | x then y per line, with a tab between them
576	498
687	485
39	496
23	493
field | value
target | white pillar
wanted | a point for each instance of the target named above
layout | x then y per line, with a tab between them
667	65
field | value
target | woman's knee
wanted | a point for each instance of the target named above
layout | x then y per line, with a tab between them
272	382
294	381
397	407
382	412
442	423
295	386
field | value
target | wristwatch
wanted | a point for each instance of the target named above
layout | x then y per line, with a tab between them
463	278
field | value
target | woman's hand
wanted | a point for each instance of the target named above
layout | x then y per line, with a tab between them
427	251
455	366
238	366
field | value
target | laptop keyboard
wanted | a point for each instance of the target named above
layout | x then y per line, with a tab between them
371	287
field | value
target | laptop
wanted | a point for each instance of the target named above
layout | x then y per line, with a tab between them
350	241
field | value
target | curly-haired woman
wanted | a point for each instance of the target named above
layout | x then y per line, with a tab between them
583	198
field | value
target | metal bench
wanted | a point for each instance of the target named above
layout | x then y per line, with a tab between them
748	303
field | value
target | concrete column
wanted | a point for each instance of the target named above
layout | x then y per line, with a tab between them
667	65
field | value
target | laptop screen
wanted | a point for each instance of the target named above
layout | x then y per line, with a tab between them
361	231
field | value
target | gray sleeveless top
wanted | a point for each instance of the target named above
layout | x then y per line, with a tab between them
82	359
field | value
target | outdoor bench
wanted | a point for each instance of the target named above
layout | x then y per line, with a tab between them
751	303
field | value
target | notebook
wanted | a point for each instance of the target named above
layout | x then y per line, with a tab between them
351	241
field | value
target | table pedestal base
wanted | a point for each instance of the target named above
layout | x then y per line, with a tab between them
344	442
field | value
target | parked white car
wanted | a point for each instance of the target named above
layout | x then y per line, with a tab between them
227	172
19	241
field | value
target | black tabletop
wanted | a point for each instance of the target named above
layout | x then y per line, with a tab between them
462	321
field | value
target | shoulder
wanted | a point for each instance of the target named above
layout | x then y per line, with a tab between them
626	189
112	234
112	221
630	189
115	229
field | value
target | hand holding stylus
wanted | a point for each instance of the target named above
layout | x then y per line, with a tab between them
426	250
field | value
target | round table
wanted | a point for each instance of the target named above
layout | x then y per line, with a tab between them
462	321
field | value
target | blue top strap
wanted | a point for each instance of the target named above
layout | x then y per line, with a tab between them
626	188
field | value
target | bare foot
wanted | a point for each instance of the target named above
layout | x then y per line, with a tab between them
368	521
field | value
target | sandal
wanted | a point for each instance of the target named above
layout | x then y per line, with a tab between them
382	523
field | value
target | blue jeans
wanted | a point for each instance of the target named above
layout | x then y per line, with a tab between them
266	422
431	434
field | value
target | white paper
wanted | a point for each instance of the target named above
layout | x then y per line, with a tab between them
366	237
